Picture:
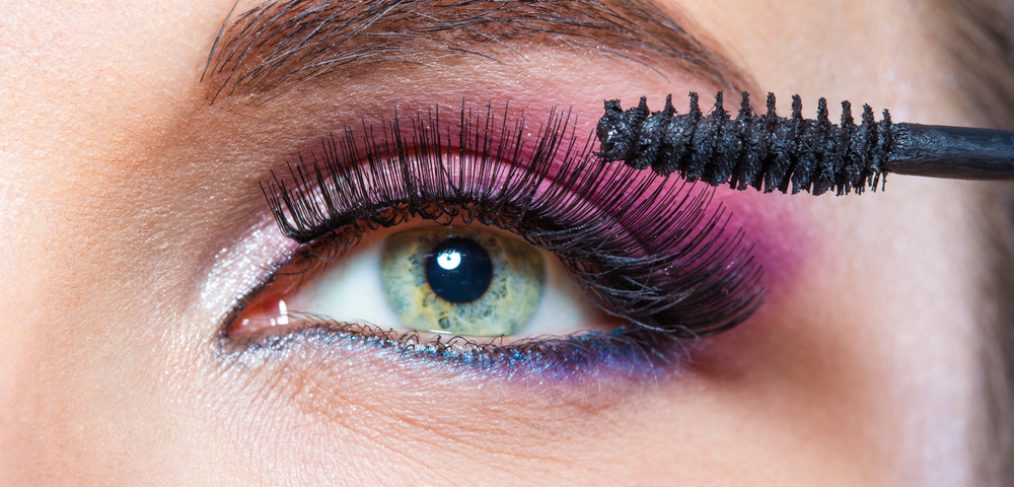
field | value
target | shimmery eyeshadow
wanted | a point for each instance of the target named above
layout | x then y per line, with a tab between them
243	267
777	228
587	355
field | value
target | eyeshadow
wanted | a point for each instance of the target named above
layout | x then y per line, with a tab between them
236	271
780	228
625	354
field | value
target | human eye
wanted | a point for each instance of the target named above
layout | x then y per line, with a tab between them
483	240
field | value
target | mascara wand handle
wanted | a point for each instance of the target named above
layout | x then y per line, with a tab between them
951	152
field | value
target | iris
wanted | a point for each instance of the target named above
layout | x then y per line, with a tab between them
461	280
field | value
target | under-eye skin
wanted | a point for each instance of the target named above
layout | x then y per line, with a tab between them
461	281
654	254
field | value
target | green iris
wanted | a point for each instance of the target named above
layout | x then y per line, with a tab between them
461	280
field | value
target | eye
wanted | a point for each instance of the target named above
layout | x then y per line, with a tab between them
421	231
474	281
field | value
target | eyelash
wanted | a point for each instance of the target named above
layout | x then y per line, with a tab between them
648	250
636	353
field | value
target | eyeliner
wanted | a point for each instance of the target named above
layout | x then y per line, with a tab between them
793	154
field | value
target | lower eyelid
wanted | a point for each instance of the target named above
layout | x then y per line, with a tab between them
332	382
622	355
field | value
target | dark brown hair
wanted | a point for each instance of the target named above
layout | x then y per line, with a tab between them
979	35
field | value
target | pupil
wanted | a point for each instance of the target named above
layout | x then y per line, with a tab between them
459	270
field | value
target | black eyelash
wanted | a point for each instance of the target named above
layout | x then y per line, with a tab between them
648	250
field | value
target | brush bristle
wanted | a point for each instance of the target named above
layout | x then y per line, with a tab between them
767	152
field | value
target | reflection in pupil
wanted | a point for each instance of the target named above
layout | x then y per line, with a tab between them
459	270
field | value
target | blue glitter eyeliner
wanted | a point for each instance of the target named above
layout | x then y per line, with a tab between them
620	352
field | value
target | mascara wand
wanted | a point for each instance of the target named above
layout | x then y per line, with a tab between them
793	154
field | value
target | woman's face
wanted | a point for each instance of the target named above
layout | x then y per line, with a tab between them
133	218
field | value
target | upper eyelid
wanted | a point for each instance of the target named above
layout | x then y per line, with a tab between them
277	44
676	228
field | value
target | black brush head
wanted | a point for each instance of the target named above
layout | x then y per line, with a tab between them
766	152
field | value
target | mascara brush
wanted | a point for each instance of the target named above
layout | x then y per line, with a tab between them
793	154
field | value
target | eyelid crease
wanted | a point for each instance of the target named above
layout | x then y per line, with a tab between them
692	279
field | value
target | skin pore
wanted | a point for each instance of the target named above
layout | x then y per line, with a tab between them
120	184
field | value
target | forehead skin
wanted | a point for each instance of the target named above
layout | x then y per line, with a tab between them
856	372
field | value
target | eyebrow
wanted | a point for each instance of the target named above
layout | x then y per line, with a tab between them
278	44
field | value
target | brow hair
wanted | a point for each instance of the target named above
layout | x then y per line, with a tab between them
980	40
277	44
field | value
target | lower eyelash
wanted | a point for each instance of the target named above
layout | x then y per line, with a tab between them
631	352
649	251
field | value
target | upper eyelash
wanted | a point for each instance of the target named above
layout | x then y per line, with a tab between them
662	261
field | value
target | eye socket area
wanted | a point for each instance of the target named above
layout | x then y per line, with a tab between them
390	280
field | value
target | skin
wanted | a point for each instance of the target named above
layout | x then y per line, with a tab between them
119	185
